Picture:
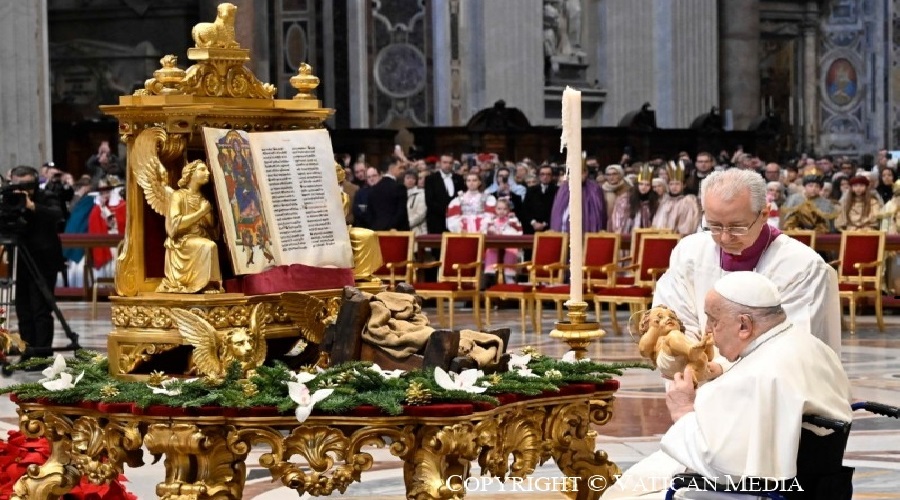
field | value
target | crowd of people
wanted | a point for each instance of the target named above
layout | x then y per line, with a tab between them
461	194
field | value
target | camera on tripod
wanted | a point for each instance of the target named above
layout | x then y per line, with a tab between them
12	206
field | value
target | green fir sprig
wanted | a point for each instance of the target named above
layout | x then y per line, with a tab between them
355	384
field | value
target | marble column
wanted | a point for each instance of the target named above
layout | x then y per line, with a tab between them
809	108
739	60
24	85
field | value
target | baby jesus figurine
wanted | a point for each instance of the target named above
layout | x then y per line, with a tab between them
665	344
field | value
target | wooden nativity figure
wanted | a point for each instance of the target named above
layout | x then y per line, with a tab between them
664	343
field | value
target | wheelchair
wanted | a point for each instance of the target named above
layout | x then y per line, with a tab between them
821	474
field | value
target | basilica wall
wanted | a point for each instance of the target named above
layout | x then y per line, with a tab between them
824	71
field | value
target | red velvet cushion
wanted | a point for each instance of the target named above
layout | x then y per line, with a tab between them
444	286
858	249
624	291
548	251
560	289
509	287
599	251
852	287
394	248
655	255
460	251
295	278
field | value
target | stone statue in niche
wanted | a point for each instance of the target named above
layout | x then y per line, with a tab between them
564	59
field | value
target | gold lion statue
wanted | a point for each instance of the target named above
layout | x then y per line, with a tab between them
664	344
214	352
219	33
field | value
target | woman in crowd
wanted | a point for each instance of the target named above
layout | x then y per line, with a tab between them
885	186
860	208
636	210
415	202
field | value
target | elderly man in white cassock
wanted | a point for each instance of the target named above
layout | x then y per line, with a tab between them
735	237
747	421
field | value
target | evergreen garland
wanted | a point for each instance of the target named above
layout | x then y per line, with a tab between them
355	384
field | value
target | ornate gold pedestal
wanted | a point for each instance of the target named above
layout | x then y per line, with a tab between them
144	328
205	454
577	332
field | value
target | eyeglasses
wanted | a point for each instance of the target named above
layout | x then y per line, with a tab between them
717	229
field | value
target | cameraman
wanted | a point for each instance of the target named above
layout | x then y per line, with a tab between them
38	214
60	184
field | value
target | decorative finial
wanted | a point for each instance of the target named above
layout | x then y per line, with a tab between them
305	82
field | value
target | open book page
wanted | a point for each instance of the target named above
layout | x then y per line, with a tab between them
278	199
298	174
246	228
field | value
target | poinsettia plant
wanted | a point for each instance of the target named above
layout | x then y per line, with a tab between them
19	452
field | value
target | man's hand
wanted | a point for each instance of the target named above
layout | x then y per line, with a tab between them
680	394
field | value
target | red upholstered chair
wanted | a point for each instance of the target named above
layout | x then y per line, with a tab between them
634	253
600	253
860	268
654	251
805	236
547	266
459	273
397	249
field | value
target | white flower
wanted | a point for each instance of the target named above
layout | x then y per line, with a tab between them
63	382
300	394
524	372
517	362
162	387
304	376
463	381
569	357
51	372
387	373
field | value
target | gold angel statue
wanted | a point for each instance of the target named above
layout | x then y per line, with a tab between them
192	257
214	352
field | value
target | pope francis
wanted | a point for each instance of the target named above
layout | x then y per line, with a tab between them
747	421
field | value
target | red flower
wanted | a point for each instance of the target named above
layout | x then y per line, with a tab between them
20	451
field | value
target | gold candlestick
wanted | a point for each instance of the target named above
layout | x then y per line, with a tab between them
577	332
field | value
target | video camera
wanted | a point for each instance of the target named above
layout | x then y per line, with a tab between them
12	206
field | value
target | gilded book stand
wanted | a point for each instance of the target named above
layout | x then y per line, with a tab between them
161	125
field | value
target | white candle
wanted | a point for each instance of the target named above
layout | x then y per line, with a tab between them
571	141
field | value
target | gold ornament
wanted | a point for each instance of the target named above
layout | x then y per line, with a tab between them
214	354
345	378
418	394
533	351
157	378
109	391
249	388
495	378
191	259
219	33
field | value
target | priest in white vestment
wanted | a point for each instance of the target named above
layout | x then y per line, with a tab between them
737	238
747	421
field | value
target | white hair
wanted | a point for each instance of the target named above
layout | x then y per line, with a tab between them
728	184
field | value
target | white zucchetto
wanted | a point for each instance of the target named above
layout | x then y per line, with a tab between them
748	288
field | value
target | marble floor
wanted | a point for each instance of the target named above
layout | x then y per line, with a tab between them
871	358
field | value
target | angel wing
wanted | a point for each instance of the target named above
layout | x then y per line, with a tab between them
149	171
258	330
200	334
307	312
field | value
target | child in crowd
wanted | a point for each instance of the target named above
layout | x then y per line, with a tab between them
860	208
504	222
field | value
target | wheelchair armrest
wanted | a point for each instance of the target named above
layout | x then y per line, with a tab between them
828	423
878	408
